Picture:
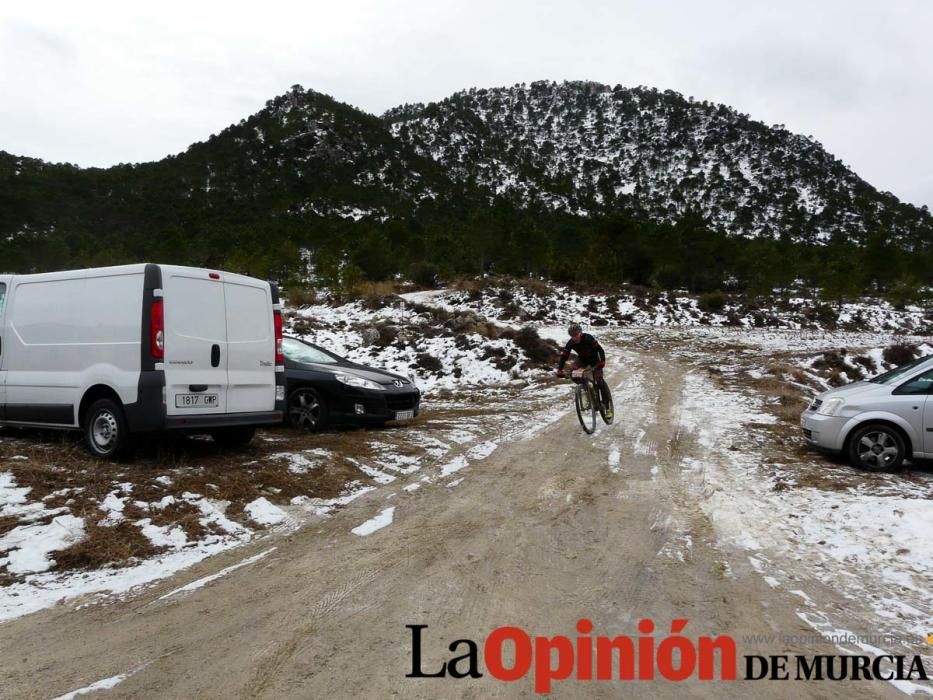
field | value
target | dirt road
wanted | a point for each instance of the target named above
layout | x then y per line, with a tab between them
545	531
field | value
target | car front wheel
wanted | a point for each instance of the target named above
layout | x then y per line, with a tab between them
877	447
306	410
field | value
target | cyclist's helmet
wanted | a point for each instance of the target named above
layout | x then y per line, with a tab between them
574	329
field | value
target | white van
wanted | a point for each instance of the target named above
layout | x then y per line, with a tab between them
115	351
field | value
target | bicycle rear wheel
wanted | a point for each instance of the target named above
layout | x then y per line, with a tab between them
586	407
606	409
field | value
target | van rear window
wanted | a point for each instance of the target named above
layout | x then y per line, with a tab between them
194	308
249	313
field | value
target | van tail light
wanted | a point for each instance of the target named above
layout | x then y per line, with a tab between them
279	355
157	331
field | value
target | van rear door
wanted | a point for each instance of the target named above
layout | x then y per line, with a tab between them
195	342
251	345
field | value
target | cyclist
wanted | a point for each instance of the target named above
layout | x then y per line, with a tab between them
589	354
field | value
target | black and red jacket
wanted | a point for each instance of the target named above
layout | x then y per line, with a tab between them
589	352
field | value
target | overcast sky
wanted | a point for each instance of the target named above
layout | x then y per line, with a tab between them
98	83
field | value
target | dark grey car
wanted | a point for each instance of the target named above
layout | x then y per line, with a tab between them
323	389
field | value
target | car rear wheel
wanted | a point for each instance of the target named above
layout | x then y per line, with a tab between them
106	433
877	447
306	410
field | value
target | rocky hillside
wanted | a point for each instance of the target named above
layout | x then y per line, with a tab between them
588	148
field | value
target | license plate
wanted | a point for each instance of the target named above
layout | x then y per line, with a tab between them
195	400
404	415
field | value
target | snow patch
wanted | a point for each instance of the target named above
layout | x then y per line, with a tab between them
28	548
383	519
264	512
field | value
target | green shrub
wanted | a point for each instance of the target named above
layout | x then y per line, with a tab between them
712	301
424	274
429	363
905	292
900	353
540	352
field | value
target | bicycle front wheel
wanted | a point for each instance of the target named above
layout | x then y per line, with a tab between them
586	407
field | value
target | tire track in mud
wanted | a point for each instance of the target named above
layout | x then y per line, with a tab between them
651	442
275	655
679	531
655	393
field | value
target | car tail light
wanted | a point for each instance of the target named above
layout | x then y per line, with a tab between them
279	355
157	331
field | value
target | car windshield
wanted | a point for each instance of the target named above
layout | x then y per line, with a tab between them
894	375
297	351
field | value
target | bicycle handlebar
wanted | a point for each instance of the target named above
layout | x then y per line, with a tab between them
579	373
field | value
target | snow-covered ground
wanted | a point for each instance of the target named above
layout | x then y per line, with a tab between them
467	354
865	538
30	550
533	301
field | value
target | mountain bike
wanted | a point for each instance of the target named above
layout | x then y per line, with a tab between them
588	401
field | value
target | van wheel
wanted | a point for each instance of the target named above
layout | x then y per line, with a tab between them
105	431
876	447
238	436
306	410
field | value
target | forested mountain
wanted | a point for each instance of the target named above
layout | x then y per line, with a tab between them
575	181
588	148
261	188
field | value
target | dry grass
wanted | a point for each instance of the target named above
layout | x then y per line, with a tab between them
788	406
471	284
833	474
8	523
374	295
193	465
41	479
181	514
301	296
375	289
120	545
729	346
796	374
534	286
783	400
296	324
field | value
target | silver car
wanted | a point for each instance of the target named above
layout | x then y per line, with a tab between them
877	423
